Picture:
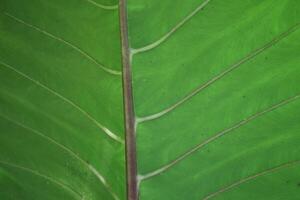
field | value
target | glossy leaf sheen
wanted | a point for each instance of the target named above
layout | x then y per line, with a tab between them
216	97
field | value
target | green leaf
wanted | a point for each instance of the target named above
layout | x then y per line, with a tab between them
216	94
210	98
61	99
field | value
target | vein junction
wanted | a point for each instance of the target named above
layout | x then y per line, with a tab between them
230	69
200	88
68	101
217	136
171	32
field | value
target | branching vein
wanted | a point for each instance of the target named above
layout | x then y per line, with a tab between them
217	136
68	101
220	76
173	30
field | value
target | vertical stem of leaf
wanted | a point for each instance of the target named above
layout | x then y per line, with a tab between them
131	166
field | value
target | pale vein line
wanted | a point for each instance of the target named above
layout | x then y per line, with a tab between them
82	52
173	30
65	148
101	178
249	178
28	170
215	137
103	128
106	7
221	75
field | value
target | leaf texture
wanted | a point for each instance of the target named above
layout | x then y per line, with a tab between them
214	112
216	93
61	111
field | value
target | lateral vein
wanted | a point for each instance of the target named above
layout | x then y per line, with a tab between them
249	178
74	47
173	30
217	136
220	76
106	7
67	149
36	173
68	101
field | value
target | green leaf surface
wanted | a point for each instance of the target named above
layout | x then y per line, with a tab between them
216	98
61	113
216	93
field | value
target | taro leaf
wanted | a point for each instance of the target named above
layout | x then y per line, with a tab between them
216	97
216	92
60	100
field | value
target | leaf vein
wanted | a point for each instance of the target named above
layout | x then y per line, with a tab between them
217	136
74	47
171	32
239	63
106	7
65	148
249	178
36	173
68	101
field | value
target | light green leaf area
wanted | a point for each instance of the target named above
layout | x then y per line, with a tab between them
217	98
61	113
